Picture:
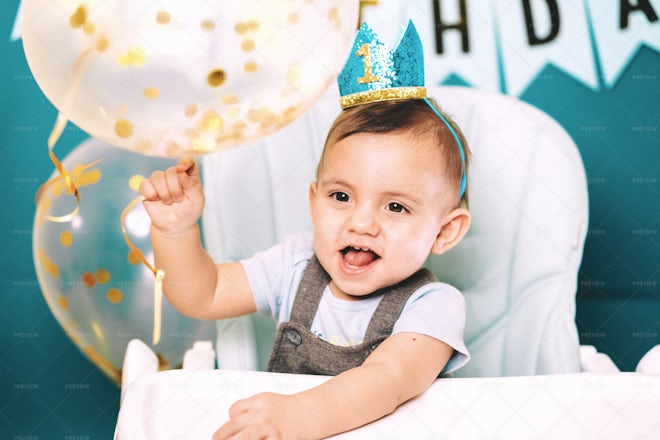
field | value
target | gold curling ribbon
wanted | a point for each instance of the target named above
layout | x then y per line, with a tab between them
58	129
159	275
79	68
55	180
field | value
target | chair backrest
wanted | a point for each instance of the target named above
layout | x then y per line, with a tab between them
517	267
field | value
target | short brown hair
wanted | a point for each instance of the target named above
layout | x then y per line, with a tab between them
413	115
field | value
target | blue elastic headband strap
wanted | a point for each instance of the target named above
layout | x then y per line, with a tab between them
458	142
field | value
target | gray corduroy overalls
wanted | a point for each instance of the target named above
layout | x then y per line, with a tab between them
298	350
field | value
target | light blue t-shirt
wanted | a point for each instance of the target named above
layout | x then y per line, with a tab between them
436	309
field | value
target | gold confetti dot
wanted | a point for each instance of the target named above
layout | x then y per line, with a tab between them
89	28
216	77
229	99
151	93
253	25
88	279
49	265
290	113
123	128
202	145
240	28
208	25
267	116
79	17
102	44
294	18
114	295
247	45
62	301
102	276
135	56
87	178
163	17
211	121
66	238
124	60
133	258
234	134
135	181
250	66
191	110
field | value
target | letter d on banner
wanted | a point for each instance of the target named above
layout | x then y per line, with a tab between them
532	32
535	34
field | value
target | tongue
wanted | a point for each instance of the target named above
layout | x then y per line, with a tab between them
359	258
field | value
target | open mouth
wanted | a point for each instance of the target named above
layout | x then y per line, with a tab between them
359	257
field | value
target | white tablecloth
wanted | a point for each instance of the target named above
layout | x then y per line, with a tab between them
180	404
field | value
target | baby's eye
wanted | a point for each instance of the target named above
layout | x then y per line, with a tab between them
340	196
396	207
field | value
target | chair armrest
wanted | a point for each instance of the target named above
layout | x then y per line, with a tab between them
199	358
591	361
650	362
139	361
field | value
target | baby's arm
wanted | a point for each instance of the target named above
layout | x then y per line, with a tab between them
193	283
402	367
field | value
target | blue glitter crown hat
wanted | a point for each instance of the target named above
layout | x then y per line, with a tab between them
374	73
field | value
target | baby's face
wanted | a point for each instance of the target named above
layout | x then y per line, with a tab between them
377	209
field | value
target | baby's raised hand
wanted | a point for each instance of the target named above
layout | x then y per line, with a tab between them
174	198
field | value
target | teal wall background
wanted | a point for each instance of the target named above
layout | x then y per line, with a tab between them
616	130
49	390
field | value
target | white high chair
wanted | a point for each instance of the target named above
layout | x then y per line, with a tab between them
517	269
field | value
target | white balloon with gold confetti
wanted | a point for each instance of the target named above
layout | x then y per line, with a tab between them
174	78
95	286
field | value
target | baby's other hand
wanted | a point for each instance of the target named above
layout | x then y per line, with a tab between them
174	198
264	416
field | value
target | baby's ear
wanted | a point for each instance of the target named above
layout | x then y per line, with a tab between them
454	228
312	196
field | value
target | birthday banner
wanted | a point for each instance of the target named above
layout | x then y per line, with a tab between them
503	45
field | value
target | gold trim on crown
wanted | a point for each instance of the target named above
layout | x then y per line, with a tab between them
382	95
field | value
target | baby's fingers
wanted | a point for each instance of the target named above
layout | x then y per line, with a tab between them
148	190
240	406
187	165
157	188
188	172
173	185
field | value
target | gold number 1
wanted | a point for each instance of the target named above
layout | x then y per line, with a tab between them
368	77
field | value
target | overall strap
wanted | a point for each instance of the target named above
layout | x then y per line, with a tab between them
390	307
309	293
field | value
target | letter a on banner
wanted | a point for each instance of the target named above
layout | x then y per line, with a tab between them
617	44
